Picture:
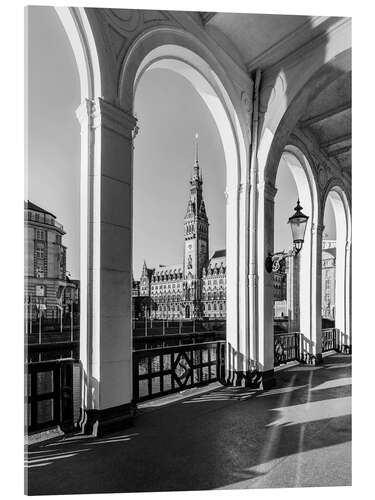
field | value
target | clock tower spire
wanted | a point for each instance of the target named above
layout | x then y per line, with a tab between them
196	237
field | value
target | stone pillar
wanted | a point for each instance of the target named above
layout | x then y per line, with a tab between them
316	291
348	294
234	353
106	265
262	341
292	293
243	341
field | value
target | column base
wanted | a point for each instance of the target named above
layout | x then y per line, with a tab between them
236	379
254	379
312	359
346	348
101	422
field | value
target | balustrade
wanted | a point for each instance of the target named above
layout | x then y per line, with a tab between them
158	372
53	394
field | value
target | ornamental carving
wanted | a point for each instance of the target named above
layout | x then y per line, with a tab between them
124	25
322	176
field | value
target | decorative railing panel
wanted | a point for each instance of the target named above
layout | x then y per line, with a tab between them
330	339
53	392
286	347
158	372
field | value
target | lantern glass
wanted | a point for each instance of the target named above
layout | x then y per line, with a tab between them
298	223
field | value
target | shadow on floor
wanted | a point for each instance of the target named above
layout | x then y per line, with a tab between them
228	438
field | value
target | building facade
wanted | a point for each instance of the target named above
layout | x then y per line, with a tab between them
48	292
197	288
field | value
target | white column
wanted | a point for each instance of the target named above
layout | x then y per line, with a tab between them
106	246
348	293
292	294
234	345
243	287
263	339
316	292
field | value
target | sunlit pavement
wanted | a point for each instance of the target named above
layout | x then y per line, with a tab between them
298	434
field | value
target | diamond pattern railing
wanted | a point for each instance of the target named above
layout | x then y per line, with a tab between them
158	372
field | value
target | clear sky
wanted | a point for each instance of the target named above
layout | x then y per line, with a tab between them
53	130
170	112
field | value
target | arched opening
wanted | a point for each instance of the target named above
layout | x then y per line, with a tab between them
328	267
294	181
187	312
52	229
194	69
336	281
178	221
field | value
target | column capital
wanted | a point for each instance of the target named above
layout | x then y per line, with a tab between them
84	112
317	228
99	112
268	189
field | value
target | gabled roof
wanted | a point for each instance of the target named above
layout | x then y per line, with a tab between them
31	206
219	254
167	270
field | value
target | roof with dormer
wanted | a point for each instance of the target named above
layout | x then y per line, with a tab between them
28	205
172	271
217	262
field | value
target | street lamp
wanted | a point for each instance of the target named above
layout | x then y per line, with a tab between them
298	223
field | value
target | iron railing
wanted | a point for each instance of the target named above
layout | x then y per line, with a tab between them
330	339
286	347
157	341
50	351
52	395
158	372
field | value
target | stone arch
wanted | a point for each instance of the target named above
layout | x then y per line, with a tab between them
307	299
278	122
80	35
183	53
307	264
272	143
335	193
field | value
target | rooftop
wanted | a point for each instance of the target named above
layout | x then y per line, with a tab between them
31	206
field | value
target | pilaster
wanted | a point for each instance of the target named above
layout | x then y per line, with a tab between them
106	246
263	347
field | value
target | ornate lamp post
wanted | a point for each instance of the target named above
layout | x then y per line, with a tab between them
298	223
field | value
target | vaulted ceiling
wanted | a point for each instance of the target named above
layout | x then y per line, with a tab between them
329	119
265	40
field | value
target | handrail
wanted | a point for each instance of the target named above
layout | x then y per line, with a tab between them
173	348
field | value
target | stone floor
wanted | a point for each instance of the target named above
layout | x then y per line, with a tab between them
298	434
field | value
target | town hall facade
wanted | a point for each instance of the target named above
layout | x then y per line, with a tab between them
197	288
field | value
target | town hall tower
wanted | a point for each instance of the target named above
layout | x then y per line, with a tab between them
196	241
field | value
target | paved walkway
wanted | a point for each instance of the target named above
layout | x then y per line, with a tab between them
298	434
